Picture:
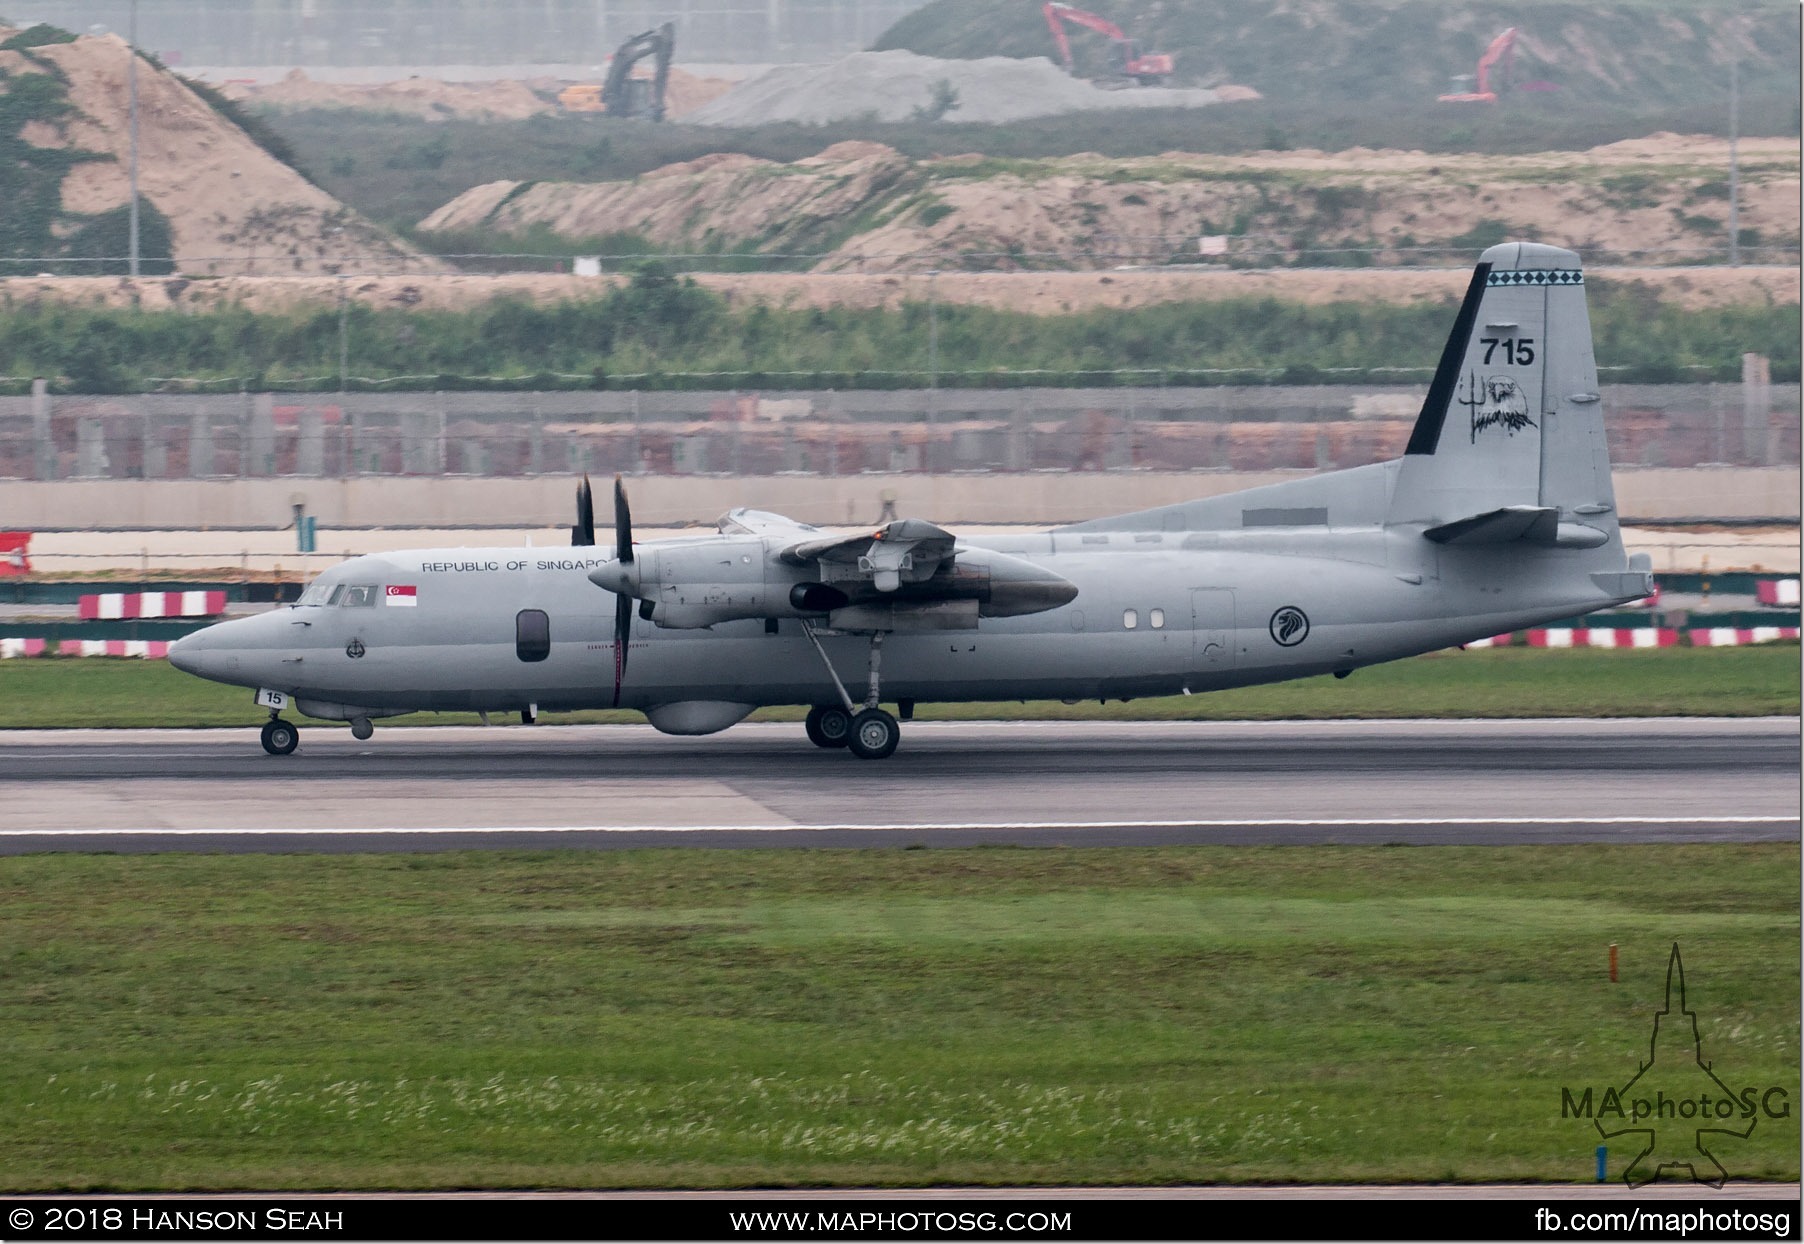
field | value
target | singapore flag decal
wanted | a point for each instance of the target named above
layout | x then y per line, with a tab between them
402	594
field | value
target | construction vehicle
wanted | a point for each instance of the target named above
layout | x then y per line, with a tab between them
1146	68
622	94
1502	51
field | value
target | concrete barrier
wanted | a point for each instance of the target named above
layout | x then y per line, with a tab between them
1645	494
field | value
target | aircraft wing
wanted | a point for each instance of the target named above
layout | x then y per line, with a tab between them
744	522
909	548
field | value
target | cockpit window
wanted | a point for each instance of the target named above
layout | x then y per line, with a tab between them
358	596
317	593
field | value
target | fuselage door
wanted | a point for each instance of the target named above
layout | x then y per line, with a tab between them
1212	626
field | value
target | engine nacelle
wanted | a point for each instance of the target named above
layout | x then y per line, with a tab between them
696	586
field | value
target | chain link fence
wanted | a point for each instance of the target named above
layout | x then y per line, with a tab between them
1181	252
820	432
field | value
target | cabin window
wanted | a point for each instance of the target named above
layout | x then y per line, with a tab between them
359	596
532	635
1157	618
1130	619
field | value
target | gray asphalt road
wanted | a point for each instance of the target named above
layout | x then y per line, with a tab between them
1031	783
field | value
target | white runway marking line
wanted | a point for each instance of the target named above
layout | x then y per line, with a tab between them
1349	823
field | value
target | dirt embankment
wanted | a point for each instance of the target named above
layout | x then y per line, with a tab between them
863	204
429	99
425	98
1039	293
231	206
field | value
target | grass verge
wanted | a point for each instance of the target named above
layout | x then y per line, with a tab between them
1502	682
903	1017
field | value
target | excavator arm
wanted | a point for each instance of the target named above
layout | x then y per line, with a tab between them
1501	48
1147	69
1058	14
618	92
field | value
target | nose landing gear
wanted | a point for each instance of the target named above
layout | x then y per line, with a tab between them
280	737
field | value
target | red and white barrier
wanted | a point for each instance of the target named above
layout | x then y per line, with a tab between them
152	649
1496	641
110	605
18	646
1735	636
1604	637
15	552
1776	591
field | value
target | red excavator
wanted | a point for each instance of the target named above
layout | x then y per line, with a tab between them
1148	68
1502	49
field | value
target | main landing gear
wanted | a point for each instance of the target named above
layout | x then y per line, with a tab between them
865	730
279	737
829	725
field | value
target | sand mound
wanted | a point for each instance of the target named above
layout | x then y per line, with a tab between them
429	99
685	92
862	206
892	86
232	208
426	98
724	199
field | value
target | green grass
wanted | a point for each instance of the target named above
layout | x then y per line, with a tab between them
906	1017
1505	682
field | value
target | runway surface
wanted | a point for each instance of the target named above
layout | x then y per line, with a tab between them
1080	784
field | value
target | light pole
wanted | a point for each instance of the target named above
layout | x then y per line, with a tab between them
1734	162
344	336
933	332
131	78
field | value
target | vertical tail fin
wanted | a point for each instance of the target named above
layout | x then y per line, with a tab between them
1510	441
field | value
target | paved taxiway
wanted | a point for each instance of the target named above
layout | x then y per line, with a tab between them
1489	782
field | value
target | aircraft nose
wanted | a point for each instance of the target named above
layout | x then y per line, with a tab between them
188	653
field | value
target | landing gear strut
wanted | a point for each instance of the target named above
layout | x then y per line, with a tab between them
865	730
279	737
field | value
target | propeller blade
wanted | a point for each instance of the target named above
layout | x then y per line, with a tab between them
623	523
584	531
623	622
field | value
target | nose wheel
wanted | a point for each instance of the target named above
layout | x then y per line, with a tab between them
280	737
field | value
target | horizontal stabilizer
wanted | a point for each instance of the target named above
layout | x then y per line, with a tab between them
1526	524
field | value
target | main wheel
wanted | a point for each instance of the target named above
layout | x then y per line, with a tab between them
829	726
874	734
361	728
280	738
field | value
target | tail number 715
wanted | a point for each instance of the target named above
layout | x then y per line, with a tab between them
1517	351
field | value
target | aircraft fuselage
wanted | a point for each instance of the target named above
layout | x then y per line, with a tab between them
1155	614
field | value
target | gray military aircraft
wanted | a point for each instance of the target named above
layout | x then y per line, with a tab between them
1499	515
